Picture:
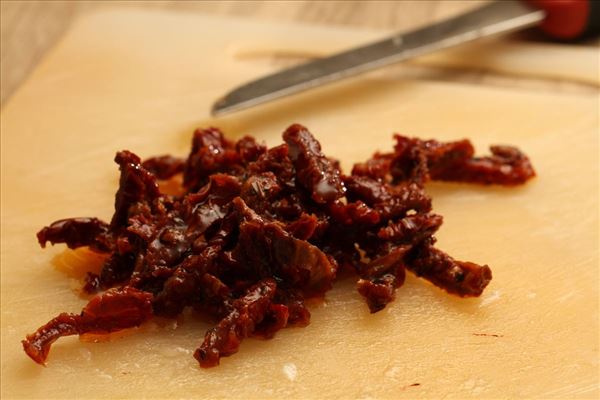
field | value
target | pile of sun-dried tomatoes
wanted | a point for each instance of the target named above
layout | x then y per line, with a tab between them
257	231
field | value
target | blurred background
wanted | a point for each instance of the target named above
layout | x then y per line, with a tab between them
30	28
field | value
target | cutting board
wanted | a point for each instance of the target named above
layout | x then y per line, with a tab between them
143	81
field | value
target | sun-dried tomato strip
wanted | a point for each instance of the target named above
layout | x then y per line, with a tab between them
112	311
248	311
272	252
136	184
381	277
419	160
314	171
465	279
78	232
164	167
506	166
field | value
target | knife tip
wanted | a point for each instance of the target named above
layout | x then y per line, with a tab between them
218	108
227	105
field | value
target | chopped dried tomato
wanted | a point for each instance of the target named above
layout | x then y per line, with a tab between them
257	231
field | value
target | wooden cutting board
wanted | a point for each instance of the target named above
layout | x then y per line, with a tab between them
143	81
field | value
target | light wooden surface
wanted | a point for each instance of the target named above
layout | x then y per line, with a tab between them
540	312
30	28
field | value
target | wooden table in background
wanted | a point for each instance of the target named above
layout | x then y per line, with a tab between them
30	28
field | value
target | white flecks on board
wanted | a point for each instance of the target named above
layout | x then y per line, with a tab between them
290	371
492	297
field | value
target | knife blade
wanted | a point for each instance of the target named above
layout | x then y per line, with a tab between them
501	16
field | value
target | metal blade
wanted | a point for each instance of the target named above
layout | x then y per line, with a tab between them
497	17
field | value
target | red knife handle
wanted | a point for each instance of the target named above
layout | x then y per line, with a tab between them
569	19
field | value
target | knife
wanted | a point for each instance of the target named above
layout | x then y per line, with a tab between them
561	19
